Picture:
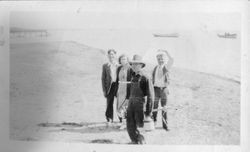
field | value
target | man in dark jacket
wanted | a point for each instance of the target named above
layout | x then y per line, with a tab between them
140	87
109	83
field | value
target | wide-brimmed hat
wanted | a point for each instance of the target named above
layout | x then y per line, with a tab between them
137	59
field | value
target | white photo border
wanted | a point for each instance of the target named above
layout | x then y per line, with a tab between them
123	6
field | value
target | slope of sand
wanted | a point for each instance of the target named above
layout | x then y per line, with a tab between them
55	94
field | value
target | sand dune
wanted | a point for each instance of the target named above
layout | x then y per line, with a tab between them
55	94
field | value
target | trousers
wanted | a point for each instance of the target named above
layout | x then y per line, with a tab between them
160	95
135	116
110	102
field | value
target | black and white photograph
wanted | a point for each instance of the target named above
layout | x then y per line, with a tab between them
74	77
129	78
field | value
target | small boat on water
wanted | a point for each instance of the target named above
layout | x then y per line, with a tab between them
227	35
173	35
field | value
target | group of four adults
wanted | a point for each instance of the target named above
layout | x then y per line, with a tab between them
137	92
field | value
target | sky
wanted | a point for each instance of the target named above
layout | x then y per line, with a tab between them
130	20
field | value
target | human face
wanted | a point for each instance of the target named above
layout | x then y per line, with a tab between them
161	59
136	67
111	56
124	60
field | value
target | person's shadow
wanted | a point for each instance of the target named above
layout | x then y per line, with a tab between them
85	127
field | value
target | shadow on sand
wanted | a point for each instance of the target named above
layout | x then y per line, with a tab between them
93	127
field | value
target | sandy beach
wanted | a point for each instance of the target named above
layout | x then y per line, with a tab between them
56	96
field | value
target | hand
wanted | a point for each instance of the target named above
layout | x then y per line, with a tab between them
164	108
105	95
147	118
148	114
163	50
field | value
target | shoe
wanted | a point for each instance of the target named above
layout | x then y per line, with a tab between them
166	128
132	143
155	123
120	119
119	124
123	126
108	124
141	140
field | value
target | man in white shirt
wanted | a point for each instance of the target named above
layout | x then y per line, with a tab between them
109	83
160	81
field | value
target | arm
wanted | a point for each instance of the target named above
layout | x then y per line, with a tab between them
150	97
103	81
117	79
170	60
117	75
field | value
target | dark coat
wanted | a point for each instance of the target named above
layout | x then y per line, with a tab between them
106	79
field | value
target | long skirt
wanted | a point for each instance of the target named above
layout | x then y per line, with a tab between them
122	103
